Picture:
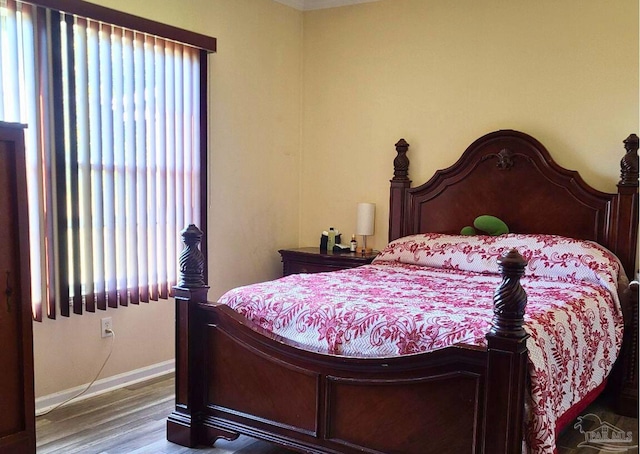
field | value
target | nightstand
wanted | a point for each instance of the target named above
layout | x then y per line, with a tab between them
312	260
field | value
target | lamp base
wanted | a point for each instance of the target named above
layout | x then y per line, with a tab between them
363	250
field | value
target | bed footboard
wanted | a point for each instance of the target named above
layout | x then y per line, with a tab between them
234	378
262	386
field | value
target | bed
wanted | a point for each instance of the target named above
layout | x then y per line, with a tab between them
236	375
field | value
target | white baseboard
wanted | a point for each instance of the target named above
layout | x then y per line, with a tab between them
104	385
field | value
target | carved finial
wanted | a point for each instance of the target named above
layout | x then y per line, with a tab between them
401	162
191	259
505	160
629	163
510	299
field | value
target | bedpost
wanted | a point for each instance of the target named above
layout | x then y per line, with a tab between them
182	427
626	230
399	184
506	361
626	236
627	384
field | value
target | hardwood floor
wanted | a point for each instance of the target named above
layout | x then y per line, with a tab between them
132	420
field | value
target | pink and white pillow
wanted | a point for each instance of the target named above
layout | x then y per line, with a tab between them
549	256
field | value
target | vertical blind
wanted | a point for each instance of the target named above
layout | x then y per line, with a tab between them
113	146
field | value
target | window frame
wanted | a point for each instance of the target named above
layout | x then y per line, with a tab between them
125	20
205	44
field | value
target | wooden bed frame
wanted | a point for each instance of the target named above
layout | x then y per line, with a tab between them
234	378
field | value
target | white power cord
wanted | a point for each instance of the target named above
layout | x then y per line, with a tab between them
113	340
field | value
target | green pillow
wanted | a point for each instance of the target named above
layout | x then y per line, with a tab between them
468	230
490	224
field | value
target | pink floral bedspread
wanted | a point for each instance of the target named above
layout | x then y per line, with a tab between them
426	292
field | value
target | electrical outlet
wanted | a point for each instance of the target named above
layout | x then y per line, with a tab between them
106	324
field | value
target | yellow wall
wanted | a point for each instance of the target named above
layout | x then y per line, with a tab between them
442	73
305	109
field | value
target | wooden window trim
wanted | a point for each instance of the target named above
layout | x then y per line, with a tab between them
121	19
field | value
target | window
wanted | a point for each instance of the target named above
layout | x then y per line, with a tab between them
116	132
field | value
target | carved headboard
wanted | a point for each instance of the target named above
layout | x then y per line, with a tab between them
511	175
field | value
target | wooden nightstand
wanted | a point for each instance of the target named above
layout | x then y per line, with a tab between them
311	260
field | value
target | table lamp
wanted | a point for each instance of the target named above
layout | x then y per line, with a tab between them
365	223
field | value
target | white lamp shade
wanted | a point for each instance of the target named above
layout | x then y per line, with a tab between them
366	218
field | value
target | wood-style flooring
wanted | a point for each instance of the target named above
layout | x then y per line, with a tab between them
132	420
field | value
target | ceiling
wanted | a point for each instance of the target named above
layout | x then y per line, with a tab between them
306	5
